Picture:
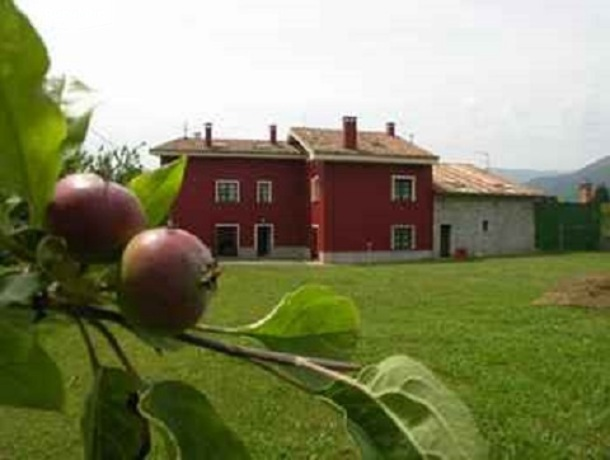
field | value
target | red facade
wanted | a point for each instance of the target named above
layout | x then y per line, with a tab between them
356	212
332	194
196	209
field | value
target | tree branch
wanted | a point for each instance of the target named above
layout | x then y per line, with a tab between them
230	349
116	347
95	363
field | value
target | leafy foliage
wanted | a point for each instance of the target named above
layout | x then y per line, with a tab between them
158	189
28	376
191	422
396	409
601	195
75	100
111	424
119	164
19	289
312	320
32	127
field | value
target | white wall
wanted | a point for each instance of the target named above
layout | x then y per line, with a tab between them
510	230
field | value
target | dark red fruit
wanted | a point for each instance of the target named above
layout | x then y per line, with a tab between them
97	218
164	274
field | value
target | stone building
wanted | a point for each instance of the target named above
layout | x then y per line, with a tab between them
477	213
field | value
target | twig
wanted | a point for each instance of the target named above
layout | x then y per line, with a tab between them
263	355
116	347
95	363
281	375
276	357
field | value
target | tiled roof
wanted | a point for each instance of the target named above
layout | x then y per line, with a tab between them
465	179
197	146
369	143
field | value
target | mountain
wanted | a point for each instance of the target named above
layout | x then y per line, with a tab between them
522	176
565	185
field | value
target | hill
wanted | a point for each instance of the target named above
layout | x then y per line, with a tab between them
523	176
565	186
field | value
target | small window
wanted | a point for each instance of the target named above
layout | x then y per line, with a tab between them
315	189
227	191
485	225
264	191
403	237
403	188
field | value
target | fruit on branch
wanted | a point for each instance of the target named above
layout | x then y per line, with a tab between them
97	218
166	280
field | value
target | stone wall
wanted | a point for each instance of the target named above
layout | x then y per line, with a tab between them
510	225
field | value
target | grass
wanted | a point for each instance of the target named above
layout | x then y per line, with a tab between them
536	378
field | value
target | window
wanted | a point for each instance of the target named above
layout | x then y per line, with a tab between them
315	189
227	191
264	191
485	225
403	188
403	237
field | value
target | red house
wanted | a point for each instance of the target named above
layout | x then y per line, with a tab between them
333	195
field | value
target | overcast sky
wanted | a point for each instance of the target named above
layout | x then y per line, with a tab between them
527	81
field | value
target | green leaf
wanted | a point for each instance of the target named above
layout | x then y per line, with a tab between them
191	422
53	257
111	424
18	289
32	127
28	376
75	100
398	409
157	190
312	320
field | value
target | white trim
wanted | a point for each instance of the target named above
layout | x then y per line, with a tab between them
364	158
249	155
229	225
413	236
217	183
272	237
310	152
260	182
339	157
314	185
413	180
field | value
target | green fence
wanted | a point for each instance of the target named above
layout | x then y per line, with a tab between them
568	226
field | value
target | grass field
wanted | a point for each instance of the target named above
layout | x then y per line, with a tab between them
536	378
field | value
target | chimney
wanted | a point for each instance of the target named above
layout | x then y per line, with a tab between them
208	135
585	192
390	128
350	133
273	134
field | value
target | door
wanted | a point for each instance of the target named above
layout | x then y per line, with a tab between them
445	243
263	240
313	242
226	240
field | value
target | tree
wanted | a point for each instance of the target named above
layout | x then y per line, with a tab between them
393	409
601	195
118	164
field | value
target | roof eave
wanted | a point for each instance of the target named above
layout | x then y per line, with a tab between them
368	158
232	154
486	195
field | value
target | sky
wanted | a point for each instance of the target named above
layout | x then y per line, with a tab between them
518	83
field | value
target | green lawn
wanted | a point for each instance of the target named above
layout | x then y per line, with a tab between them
537	378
